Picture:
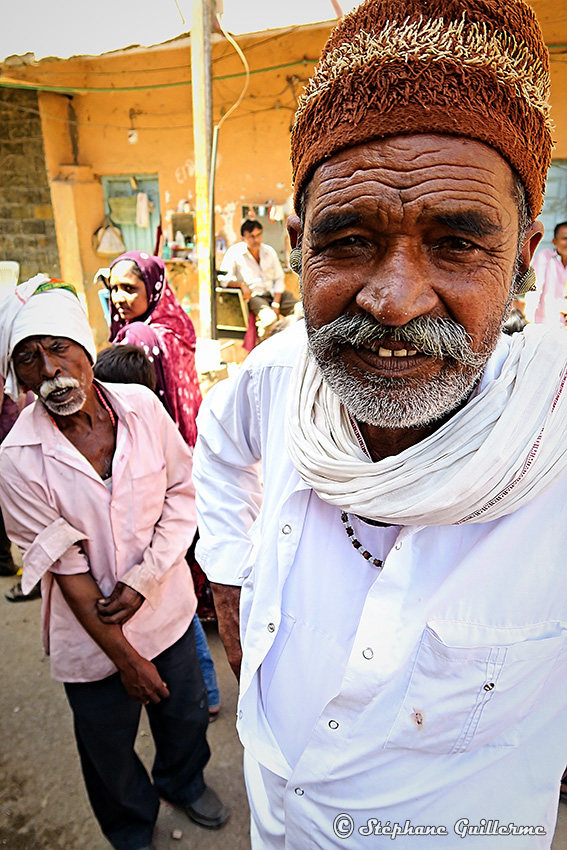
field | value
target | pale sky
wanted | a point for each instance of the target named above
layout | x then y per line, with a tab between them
67	27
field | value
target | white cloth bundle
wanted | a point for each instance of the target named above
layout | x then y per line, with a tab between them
502	449
24	313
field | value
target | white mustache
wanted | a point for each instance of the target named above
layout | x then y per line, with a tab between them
442	337
59	383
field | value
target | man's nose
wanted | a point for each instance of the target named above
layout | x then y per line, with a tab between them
50	367
399	288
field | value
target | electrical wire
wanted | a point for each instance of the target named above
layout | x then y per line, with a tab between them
20	84
159	128
244	61
39	68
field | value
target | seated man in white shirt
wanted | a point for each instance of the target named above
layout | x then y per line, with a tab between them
399	579
256	269
95	488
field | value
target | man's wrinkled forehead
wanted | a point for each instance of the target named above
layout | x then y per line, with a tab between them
46	341
459	183
43	340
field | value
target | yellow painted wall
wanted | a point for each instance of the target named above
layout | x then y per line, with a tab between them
253	158
86	134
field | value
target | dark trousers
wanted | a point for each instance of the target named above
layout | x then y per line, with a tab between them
106	720
287	303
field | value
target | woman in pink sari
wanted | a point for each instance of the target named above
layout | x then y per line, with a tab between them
145	312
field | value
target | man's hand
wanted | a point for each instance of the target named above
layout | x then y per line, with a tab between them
227	606
139	676
246	291
143	682
122	604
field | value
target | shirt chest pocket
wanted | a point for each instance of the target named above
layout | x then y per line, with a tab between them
148	496
461	697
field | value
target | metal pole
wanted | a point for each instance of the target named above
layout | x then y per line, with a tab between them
212	238
202	133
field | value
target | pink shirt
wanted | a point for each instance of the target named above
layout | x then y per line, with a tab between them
551	278
63	517
10	410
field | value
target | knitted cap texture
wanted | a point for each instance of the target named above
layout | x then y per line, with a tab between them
472	68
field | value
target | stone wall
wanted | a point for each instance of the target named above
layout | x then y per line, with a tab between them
27	229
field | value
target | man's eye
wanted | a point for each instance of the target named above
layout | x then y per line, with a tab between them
455	243
346	242
25	357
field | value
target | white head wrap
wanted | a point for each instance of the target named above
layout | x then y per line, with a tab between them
25	312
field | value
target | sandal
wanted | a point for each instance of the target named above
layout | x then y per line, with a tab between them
16	594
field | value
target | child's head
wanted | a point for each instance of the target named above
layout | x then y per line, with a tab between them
125	364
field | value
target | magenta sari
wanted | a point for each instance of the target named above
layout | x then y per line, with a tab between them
167	335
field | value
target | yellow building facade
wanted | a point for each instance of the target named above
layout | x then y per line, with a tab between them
118	125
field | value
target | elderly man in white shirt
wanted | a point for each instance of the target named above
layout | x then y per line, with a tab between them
390	595
256	270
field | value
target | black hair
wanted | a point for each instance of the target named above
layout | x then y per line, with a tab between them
557	228
249	226
125	364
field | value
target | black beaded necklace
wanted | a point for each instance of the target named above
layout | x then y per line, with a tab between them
368	556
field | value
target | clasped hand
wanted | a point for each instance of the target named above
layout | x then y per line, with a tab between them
122	604
139	676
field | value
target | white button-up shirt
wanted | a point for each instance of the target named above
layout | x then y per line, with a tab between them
432	691
241	267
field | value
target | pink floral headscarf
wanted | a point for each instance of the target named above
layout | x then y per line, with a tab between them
167	335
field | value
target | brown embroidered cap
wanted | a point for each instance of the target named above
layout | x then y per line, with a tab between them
472	68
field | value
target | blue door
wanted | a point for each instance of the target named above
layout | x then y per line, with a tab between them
121	201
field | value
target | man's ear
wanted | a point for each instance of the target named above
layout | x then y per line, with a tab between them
532	238
294	230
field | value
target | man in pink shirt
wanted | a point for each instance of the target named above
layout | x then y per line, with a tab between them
95	487
550	264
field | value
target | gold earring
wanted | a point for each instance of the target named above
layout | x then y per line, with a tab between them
527	283
295	260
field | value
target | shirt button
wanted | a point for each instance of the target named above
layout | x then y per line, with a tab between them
398	546
333	724
286	529
271	627
300	792
240	714
368	653
489	686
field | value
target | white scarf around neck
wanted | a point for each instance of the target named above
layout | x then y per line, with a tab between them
502	449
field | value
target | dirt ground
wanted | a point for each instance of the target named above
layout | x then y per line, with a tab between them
43	805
